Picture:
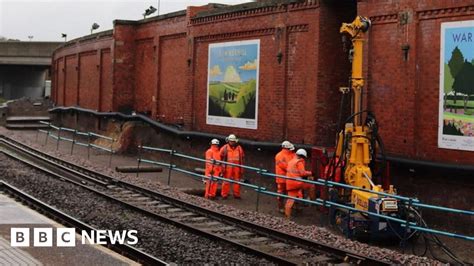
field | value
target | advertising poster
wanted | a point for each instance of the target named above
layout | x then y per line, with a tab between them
456	100
232	87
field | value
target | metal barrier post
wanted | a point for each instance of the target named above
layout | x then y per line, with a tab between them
88	145
208	186
47	136
139	158
37	133
258	199
59	137
211	180
260	172
110	158
407	227
73	140
111	152
172	152
326	191
348	225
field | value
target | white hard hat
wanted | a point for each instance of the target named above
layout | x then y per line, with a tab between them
302	152
215	142
286	144
232	137
292	147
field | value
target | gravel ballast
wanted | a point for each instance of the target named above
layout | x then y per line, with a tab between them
311	232
164	241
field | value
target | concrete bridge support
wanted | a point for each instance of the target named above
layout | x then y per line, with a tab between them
17	81
24	68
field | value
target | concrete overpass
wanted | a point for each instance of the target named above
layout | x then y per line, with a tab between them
24	68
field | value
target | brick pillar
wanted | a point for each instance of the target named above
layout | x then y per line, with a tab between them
123	66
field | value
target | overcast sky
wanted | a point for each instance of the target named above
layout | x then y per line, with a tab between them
45	20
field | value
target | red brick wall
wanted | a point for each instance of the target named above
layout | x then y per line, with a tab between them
70	85
89	80
333	70
166	60
106	93
124	68
404	94
173	96
289	106
80	82
299	112
160	66
136	59
58	91
145	74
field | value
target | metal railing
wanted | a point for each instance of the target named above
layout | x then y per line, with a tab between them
409	202
56	133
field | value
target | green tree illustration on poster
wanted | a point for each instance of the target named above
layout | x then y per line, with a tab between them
455	64
464	82
456	91
447	86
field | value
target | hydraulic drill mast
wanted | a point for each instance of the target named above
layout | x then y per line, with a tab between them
354	146
356	30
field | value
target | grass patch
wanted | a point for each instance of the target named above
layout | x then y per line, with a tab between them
245	96
451	116
459	103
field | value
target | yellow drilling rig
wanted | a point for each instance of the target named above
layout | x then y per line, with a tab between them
354	157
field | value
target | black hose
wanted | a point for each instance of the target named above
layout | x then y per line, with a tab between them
415	242
354	114
332	166
376	139
341	108
436	241
382	153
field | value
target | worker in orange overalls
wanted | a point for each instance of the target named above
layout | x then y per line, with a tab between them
232	152
281	163
212	169
296	170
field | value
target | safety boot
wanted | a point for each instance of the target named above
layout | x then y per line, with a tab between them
288	208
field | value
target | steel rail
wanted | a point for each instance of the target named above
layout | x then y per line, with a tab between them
271	233
64	219
75	181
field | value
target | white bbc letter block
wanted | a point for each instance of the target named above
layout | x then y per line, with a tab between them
43	237
20	237
65	237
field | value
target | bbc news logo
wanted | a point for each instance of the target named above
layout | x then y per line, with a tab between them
66	237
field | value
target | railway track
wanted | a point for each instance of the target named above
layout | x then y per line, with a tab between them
273	245
64	219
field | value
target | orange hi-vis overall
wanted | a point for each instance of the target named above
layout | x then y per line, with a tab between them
281	163
232	155
296	170
215	169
